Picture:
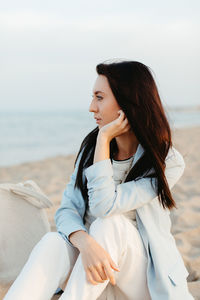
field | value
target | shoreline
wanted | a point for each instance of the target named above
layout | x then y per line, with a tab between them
73	155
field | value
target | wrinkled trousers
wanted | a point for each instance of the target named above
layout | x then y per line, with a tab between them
55	263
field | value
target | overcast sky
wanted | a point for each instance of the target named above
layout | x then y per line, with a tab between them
49	49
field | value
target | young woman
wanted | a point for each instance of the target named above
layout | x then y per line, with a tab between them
113	238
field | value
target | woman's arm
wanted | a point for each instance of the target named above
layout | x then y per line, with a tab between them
102	149
97	262
105	199
69	216
79	239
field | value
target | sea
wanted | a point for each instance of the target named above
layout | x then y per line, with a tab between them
30	136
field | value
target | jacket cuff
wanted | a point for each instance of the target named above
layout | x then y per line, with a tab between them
65	238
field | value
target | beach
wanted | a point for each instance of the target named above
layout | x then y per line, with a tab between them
53	174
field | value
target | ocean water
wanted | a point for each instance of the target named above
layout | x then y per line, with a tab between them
31	136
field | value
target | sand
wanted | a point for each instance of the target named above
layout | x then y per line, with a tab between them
52	175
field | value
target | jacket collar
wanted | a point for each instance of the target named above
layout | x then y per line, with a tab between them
138	153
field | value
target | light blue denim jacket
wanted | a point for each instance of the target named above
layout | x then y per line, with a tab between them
166	272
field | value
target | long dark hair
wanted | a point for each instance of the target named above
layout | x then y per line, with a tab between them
135	90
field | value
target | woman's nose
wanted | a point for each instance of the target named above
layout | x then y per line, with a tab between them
92	107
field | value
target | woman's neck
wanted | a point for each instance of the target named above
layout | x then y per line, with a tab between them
117	156
127	146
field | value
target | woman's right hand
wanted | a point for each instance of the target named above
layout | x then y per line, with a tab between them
97	262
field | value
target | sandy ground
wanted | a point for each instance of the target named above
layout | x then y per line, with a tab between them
53	174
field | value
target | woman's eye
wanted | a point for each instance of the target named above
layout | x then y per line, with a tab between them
99	97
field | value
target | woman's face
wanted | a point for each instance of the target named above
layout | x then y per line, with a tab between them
103	105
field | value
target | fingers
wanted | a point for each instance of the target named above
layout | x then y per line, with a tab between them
121	114
102	273
114	266
122	118
95	276
109	273
90	278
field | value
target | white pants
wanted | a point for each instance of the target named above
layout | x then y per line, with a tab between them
54	263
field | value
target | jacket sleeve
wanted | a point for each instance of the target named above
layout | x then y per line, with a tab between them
69	216
105	199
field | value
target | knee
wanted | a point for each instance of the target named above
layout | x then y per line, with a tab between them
103	225
110	232
52	239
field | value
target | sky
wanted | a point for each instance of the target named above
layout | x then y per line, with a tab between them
49	49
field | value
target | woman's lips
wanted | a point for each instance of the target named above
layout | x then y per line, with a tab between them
98	120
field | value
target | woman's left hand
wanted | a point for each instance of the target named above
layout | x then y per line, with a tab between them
116	127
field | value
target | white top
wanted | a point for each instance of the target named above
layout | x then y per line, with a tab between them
120	170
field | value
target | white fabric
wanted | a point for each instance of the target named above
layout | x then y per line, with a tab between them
53	263
166	272
23	222
120	170
42	275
